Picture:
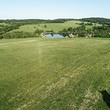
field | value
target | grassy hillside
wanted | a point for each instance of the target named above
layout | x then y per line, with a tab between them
4	24
51	26
54	74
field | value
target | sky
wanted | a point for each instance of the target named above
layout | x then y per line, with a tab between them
53	9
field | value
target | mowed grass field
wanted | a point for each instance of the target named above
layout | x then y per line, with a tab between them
56	27
54	74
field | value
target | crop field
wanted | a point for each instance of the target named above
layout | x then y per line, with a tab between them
51	26
54	74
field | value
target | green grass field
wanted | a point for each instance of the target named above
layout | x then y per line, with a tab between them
51	26
54	74
3	24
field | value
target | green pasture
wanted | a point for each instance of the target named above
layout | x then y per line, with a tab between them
54	74
49	26
4	24
56	27
94	24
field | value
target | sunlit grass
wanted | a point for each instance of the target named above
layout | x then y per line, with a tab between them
56	27
54	74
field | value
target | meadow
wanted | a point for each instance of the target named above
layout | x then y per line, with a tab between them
5	24
54	74
56	27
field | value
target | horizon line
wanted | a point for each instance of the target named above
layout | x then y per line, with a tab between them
48	18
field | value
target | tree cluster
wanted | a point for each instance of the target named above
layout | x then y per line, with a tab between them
18	34
97	31
96	20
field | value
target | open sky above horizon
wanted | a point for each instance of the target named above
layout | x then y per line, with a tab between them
52	9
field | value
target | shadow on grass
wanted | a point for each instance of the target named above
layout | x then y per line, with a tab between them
105	97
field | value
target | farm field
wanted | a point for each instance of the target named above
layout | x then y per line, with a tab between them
54	74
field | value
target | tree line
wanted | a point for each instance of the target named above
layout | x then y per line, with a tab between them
97	31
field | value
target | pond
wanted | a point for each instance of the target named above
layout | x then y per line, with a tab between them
54	36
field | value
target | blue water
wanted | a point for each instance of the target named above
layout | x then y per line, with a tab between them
54	36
